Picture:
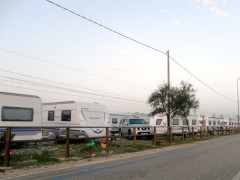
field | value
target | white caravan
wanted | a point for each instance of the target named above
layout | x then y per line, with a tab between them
72	113
211	122
233	122
176	123
114	120
160	122
18	110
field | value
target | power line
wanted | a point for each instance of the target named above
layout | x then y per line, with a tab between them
203	82
65	84
67	94
71	68
148	46
116	32
15	80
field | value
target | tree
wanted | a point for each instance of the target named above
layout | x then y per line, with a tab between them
182	100
186	101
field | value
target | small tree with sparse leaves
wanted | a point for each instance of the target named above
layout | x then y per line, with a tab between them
182	100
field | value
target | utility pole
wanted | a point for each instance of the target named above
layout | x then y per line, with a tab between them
168	95
238	101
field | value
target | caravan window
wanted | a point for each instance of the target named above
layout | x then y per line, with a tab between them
66	115
194	122
184	122
114	121
175	122
17	114
50	115
158	122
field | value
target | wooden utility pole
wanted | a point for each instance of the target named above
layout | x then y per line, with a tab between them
168	94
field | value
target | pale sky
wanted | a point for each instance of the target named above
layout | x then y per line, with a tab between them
202	35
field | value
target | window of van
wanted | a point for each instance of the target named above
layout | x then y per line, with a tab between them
137	121
50	115
175	121
66	115
17	114
194	122
158	122
114	120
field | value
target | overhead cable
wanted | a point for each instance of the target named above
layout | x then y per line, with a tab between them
15	80
71	68
65	84
67	94
148	46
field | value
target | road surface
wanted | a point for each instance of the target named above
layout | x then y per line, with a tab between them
216	159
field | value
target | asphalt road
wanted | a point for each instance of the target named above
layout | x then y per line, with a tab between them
216	159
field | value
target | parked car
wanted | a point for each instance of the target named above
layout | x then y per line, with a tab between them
143	128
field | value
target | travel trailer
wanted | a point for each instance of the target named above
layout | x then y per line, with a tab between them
176	123
19	110
114	120
72	113
233	122
160	122
212	123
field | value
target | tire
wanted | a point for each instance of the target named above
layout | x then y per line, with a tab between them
150	137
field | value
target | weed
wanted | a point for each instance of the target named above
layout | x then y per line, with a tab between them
45	157
49	154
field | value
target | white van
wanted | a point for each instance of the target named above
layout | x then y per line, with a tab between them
72	113
19	110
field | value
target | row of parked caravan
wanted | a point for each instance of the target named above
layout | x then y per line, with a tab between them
19	110
191	121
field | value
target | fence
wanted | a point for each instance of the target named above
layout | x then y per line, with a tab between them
214	130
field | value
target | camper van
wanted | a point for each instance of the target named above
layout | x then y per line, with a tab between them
72	113
176	123
18	110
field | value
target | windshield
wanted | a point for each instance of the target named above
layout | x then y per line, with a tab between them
137	121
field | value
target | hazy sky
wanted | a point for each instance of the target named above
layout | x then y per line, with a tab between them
202	35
